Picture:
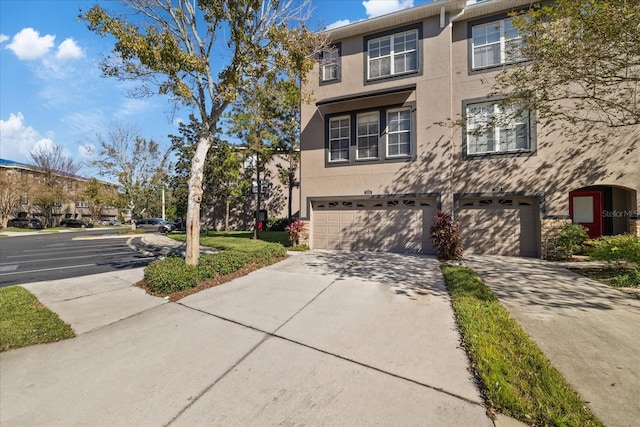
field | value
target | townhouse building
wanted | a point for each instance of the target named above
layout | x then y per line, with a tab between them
378	163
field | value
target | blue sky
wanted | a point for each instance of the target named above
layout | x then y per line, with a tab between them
51	90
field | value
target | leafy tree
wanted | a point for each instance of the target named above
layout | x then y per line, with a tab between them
223	182
98	196
11	191
138	164
51	187
582	65
173	52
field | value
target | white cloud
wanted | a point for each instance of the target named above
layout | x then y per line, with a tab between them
86	151
18	140
27	44
68	49
340	23
3	38
375	8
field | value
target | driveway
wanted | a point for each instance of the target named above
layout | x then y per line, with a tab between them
589	332
322	338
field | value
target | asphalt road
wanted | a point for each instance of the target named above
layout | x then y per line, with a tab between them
35	258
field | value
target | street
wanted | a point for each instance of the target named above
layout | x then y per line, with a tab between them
44	256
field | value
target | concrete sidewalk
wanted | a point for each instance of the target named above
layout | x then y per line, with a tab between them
320	338
589	332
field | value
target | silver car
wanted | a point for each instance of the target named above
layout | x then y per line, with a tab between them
155	224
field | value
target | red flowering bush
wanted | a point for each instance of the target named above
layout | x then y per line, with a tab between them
445	236
295	229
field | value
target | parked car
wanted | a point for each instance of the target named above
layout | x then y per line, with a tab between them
25	223
75	223
113	222
155	224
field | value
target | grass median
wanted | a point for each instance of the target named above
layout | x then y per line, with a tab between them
24	321
518	380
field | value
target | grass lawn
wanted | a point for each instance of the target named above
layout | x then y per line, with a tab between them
238	240
24	321
518	380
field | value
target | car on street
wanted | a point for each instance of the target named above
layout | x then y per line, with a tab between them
113	222
75	223
155	224
25	223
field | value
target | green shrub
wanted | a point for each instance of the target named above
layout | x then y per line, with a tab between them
221	263
622	247
266	254
568	242
445	236
170	275
627	279
277	224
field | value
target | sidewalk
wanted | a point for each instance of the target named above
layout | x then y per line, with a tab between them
310	340
589	332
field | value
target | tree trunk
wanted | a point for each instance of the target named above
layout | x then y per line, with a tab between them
195	199
289	202
256	232
226	215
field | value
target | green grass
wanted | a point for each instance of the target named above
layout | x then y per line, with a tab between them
238	240
518	379
24	321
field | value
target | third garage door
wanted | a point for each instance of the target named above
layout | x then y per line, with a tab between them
500	226
390	225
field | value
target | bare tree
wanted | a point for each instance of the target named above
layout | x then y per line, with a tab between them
201	54
11	191
139	165
50	189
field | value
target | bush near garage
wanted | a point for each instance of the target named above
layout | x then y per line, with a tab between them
277	224
568	242
173	275
445	236
615	249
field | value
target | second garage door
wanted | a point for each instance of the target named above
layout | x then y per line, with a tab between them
500	226
390	225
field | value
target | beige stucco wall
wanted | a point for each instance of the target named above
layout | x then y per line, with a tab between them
558	166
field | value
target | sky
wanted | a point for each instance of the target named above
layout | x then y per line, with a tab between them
51	89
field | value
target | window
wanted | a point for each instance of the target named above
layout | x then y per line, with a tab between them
339	138
24	200
330	65
82	204
393	54
399	132
368	134
495	129
383	134
495	43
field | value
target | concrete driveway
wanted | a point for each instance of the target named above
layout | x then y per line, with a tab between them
322	338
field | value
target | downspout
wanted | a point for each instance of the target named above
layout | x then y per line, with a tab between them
451	111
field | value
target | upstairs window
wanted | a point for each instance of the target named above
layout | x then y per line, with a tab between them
330	65
368	133
495	43
339	137
492	128
392	55
82	204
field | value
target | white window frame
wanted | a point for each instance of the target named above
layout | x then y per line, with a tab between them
495	114
82	204
369	134
329	65
503	43
340	139
393	54
390	132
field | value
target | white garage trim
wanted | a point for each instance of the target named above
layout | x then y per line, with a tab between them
390	225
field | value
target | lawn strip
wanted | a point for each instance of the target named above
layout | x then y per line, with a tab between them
24	321
517	379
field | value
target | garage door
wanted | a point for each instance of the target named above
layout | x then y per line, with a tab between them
398	225
500	226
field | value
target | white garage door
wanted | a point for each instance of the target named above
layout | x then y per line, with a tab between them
389	225
500	226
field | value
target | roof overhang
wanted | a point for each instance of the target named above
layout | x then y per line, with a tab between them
367	95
